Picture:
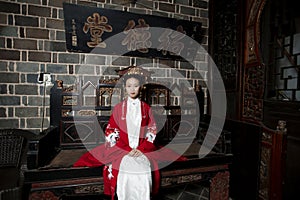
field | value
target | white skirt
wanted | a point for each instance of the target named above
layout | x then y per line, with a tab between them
134	179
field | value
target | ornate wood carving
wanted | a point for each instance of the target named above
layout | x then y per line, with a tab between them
254	73
169	181
219	186
224	46
43	195
273	145
253	93
253	31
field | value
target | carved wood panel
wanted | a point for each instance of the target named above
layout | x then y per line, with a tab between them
254	71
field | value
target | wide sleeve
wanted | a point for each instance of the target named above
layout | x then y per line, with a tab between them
147	144
112	132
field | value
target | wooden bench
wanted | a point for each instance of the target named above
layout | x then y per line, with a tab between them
86	107
230	169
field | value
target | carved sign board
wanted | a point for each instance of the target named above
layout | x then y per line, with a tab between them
114	32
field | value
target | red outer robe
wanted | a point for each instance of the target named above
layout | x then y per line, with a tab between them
105	154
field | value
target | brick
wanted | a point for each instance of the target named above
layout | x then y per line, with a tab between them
186	65
11	89
3	18
197	75
39	11
68	58
144	61
71	69
121	61
95	59
36	123
85	3
3	112
2	42
167	63
26	111
10	20
23	80
60	35
167	7
26	21
55	46
85	69
10	100
144	4
9	77
181	2
31	1
187	10
204	13
178	73
9	31
27	67
3	89
57	69
24	101
24	55
200	4
8	43
113	7
160	13
24	9
10	112
137	11
26	89
10	7
11	66
22	32
37	101
54	13
31	78
56	3
55	24
159	72
9	123
25	44
3	66
39	56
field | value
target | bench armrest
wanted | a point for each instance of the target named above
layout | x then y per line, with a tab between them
43	148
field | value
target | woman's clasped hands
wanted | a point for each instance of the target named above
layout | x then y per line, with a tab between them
135	153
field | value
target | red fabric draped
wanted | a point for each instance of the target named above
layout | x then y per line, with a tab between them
104	154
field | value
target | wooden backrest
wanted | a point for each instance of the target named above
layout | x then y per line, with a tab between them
81	111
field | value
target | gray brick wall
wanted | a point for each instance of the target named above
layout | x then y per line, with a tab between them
32	40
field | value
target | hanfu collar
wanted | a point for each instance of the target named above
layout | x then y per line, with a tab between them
133	102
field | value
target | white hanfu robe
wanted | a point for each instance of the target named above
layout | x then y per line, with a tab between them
134	180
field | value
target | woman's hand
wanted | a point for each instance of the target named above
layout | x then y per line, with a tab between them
135	153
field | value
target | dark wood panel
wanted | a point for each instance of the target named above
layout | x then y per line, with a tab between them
289	111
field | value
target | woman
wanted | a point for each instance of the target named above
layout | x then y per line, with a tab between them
129	153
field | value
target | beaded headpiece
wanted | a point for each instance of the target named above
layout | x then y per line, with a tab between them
134	70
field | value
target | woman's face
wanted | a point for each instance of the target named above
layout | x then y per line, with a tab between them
132	87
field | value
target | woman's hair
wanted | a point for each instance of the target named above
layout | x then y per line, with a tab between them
136	76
